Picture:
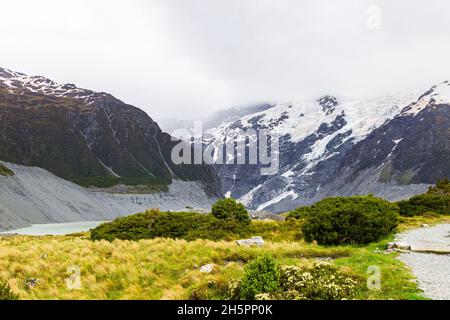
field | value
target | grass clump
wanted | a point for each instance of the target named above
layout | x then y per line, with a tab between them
6	293
347	220
4	171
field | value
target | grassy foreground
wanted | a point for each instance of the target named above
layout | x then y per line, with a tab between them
169	269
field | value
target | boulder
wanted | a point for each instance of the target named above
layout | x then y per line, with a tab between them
255	241
265	215
392	246
207	268
402	246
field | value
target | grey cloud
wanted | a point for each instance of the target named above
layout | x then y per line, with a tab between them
186	58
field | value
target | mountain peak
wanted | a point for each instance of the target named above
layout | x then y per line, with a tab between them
13	81
437	94
328	103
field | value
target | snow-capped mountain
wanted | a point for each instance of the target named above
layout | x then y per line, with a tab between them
13	81
391	146
87	137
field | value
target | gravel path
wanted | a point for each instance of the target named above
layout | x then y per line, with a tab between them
431	270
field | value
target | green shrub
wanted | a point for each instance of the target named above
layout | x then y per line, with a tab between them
436	200
132	227
418	205
230	209
6	293
321	282
265	280
348	220
299	213
262	275
442	187
175	225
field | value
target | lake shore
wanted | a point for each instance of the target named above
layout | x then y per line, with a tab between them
55	229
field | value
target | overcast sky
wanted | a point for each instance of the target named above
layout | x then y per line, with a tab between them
187	58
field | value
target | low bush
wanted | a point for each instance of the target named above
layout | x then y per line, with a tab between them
133	227
321	282
265	280
230	209
175	225
436	200
347	220
6	293
262	275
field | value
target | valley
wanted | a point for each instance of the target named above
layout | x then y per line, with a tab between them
170	269
36	196
233	158
92	205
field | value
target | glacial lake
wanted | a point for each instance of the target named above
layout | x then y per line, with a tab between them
55	229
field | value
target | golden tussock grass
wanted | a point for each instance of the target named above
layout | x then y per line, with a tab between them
146	269
170	269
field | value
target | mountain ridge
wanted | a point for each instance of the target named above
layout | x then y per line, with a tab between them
87	137
327	146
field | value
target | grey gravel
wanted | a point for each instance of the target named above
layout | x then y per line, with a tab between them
431	270
36	196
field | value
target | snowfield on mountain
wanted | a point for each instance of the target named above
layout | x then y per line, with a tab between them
342	147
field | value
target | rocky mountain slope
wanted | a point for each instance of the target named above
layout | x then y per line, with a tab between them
87	137
393	147
35	196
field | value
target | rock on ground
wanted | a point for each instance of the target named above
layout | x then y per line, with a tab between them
255	241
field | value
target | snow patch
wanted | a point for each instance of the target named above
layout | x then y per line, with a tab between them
248	198
439	94
41	85
277	199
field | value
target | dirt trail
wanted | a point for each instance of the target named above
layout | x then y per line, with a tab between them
431	270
